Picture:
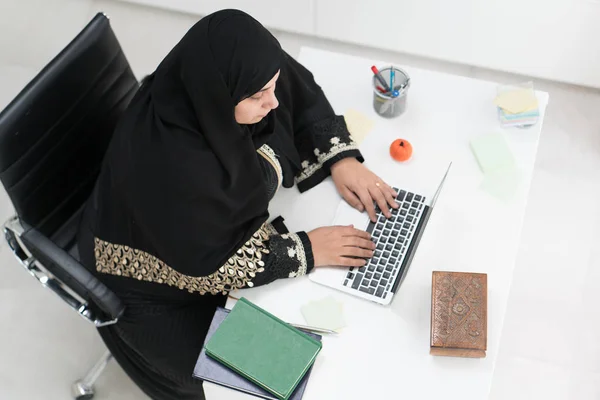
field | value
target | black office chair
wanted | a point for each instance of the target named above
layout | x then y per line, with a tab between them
53	137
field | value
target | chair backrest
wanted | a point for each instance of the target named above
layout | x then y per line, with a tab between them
54	134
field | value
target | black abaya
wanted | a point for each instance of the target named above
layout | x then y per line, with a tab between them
178	217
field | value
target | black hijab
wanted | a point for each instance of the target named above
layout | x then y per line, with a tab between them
187	171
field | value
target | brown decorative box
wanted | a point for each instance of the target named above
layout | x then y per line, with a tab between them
458	314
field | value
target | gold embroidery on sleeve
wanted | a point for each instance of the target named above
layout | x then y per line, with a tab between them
240	269
268	154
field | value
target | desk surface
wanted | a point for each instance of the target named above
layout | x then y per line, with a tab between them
384	350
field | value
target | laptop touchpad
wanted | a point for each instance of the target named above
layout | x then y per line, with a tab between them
347	215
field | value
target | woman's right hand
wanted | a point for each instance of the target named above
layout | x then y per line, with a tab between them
335	245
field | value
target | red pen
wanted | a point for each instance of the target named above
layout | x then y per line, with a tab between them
380	78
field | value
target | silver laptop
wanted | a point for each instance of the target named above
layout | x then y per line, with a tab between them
396	239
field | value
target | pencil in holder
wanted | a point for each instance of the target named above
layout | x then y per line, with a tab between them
384	102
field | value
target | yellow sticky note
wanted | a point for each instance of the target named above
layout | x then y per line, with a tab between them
517	101
358	124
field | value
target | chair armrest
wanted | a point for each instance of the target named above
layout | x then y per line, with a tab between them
66	275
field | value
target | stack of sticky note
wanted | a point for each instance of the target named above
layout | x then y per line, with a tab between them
517	105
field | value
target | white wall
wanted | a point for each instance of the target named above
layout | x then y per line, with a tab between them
551	39
32	32
289	15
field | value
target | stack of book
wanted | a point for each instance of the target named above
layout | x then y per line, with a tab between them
517	105
250	350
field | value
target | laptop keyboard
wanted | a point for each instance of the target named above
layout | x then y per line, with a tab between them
392	238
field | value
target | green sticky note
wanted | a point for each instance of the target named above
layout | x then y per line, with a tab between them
501	175
502	183
325	313
492	153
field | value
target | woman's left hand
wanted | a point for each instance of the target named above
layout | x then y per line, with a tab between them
361	188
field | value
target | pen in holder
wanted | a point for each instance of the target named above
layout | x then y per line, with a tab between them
384	102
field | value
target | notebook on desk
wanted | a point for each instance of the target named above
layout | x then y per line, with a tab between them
213	371
209	369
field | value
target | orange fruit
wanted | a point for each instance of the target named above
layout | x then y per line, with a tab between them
401	150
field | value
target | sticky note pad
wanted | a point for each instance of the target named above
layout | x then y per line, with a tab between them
358	124
325	313
502	184
492	152
517	101
501	175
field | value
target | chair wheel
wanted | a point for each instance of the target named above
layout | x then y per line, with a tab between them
82	391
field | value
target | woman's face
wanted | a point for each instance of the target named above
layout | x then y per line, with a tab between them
257	106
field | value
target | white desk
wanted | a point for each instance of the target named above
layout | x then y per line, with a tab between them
384	351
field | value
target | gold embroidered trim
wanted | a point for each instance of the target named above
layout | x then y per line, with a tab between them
298	253
270	229
268	154
337	147
240	269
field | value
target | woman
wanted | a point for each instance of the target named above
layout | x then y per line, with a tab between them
178	217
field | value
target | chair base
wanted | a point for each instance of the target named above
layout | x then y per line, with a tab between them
81	391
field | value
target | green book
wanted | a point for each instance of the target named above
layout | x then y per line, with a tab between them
263	348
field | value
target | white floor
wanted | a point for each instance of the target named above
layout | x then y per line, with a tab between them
550	345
